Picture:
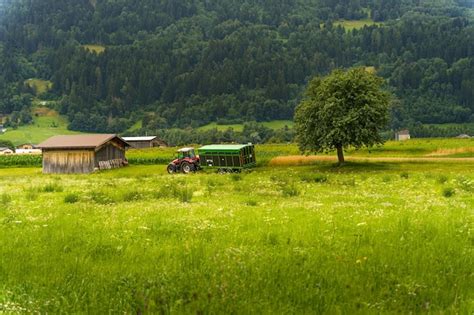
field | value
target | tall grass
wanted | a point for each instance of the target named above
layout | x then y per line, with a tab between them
353	240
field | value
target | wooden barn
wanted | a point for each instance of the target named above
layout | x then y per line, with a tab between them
82	153
145	142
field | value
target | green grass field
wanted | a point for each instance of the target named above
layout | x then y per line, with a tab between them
98	49
39	86
275	125
368	237
46	125
350	25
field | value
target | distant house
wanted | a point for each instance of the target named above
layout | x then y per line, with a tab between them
463	136
402	135
26	146
6	151
82	153
145	142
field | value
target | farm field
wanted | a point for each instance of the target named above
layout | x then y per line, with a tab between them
368	237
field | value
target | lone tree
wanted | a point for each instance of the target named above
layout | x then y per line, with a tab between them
346	108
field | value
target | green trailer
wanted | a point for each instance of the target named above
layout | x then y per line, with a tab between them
227	157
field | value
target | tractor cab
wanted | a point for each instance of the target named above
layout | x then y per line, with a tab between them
185	161
186	153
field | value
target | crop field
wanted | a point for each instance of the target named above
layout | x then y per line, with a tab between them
369	237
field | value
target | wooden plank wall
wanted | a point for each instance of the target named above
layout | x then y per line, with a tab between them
68	161
108	152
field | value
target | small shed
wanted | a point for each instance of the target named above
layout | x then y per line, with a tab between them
82	153
145	142
463	136
402	135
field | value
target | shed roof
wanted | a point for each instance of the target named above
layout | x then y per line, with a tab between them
224	147
78	141
131	139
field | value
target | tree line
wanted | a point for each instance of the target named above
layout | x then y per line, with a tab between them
177	64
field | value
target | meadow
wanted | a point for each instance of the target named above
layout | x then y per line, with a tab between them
46	123
39	86
95	48
367	237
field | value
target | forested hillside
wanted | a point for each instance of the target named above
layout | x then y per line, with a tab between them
176	63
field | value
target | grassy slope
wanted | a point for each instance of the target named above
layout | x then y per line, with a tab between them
136	126
363	238
47	125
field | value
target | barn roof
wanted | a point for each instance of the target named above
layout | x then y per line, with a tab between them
79	141
150	138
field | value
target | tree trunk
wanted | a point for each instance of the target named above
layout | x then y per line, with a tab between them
340	154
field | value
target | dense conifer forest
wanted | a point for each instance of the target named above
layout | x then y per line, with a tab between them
185	63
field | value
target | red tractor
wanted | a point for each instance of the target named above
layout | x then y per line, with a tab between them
186	162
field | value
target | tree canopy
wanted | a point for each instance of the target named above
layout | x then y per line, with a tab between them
344	109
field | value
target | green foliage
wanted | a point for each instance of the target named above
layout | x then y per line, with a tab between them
442	179
251	203
31	194
314	178
290	190
71	198
236	177
173	64
7	144
130	196
345	109
448	192
465	183
5	199
404	175
184	193
51	187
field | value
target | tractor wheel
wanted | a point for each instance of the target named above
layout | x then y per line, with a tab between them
187	168
171	169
